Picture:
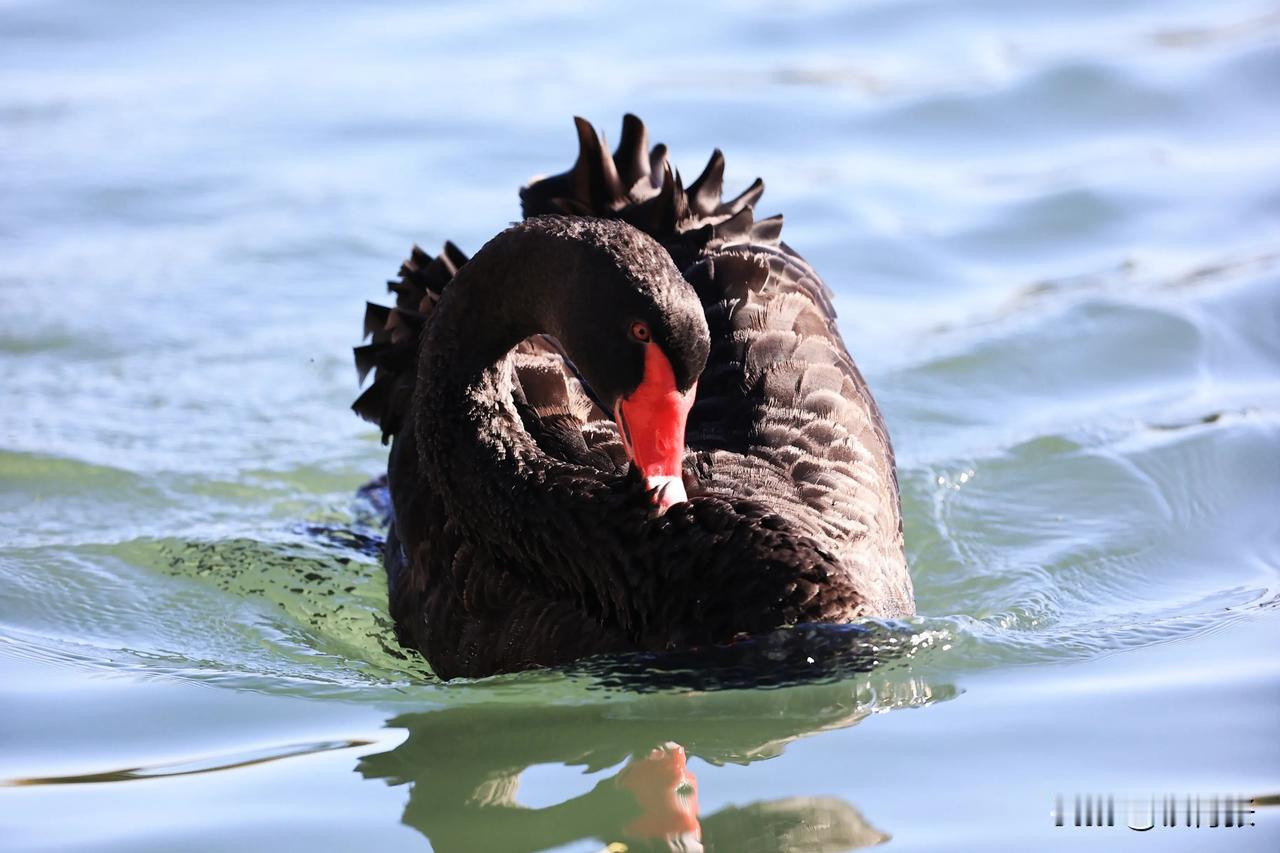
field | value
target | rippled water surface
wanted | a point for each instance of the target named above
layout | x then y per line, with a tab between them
1054	231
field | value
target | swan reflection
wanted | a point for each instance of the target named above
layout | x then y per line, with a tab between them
464	767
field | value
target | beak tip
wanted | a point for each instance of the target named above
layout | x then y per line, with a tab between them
667	491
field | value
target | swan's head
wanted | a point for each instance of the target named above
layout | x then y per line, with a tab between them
637	334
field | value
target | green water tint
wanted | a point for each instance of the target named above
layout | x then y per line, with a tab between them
463	767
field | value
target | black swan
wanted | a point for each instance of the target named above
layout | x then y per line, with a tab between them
628	423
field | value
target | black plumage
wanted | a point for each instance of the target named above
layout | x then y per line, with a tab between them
520	535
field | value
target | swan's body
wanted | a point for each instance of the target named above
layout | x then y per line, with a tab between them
522	533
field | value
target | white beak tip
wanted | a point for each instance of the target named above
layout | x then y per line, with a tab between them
667	491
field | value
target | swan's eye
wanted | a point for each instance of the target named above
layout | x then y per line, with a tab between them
640	331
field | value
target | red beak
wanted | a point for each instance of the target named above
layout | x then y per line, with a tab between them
667	794
651	420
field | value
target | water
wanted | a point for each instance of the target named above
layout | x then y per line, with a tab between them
1053	230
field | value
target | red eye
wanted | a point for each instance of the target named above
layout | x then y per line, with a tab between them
640	332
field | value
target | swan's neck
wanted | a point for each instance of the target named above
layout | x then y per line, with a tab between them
471	441
494	480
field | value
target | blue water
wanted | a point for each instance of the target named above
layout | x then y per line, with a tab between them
1054	234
